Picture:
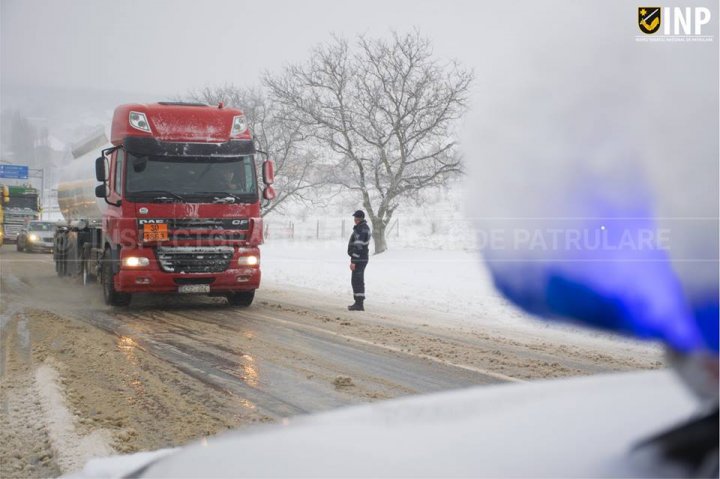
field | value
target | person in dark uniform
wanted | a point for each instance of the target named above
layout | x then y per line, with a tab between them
358	252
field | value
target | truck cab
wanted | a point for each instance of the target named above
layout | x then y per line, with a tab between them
182	205
20	204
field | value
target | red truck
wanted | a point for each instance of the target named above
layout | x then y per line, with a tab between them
177	209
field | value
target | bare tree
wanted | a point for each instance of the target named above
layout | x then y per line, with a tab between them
21	140
387	109
281	137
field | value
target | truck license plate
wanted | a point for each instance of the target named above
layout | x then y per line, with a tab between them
194	288
155	232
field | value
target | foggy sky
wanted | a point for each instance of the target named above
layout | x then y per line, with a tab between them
168	47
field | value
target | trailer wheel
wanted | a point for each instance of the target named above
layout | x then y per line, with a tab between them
60	253
243	298
62	268
85	272
112	297
59	263
86	275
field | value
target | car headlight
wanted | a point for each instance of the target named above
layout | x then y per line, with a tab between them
135	261
33	237
248	260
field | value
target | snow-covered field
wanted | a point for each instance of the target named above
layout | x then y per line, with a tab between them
421	285
441	280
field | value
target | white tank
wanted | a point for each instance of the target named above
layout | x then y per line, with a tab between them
76	190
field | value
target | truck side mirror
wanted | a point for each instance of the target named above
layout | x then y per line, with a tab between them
101	191
268	172
100	170
269	193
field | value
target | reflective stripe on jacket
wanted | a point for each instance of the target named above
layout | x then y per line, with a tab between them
358	246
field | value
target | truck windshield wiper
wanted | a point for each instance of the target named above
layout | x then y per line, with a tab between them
220	196
159	195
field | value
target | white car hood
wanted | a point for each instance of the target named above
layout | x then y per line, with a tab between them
573	427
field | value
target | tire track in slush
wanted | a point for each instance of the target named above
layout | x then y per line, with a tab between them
313	358
268	404
422	382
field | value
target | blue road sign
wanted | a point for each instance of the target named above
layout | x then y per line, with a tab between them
17	172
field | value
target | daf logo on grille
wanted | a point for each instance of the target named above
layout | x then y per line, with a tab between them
143	211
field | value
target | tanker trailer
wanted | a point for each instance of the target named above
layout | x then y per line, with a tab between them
82	212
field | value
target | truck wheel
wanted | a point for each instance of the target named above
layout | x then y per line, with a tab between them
88	274
112	297
59	263
61	266
244	298
85	274
17	246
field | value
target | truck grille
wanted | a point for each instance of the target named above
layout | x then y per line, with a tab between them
209	223
195	259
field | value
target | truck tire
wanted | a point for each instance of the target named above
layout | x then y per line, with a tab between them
87	274
58	255
60	266
17	246
112	297
243	298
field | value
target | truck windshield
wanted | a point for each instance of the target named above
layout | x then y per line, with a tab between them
41	226
191	178
30	202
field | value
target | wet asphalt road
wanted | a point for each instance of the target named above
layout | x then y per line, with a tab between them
283	361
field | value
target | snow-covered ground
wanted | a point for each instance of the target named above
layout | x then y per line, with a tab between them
452	286
445	281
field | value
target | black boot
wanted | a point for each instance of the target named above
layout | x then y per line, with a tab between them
357	306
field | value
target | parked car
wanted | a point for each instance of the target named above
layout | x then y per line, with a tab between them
36	236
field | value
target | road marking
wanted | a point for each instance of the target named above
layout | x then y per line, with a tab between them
395	349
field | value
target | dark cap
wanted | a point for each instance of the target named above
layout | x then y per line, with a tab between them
359	214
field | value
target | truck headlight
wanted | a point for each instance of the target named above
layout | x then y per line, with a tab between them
33	237
135	261
248	260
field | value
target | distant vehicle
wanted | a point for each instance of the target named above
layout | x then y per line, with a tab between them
177	209
20	204
36	236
